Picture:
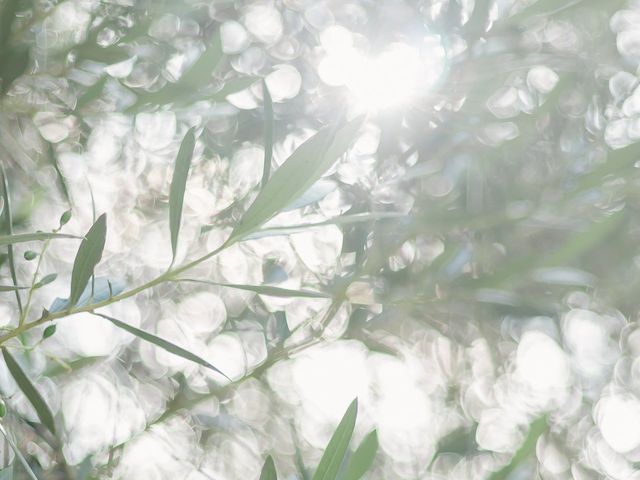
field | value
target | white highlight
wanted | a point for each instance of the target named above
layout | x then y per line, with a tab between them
399	74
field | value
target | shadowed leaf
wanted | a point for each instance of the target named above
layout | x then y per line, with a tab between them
178	185
526	450
30	391
88	256
8	225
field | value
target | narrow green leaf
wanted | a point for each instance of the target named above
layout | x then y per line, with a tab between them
8	225
178	185
162	343
23	460
263	289
337	448
88	256
30	391
269	470
303	168
30	237
363	457
46	280
11	288
268	134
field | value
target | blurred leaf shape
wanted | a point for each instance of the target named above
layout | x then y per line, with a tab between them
264	289
336	450
162	343
30	391
178	186
301	170
30	237
88	256
526	450
103	288
8	226
192	80
233	85
268	134
8	472
92	93
11	288
268	470
363	457
341	220
13	63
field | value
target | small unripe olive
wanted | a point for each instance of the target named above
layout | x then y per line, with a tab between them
30	255
65	217
49	331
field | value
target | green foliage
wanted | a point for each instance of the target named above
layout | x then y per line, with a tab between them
30	237
269	470
301	170
88	256
362	459
164	344
268	134
178	185
30	391
49	331
525	452
336	450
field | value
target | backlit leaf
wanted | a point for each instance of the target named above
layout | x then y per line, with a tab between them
178	185
301	170
337	448
363	457
162	343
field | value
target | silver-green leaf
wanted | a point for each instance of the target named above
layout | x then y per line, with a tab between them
162	343
301	170
178	186
337	448
88	256
269	470
363	457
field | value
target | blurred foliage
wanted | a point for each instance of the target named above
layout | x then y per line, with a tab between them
478	241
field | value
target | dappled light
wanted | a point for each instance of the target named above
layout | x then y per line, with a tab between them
319	240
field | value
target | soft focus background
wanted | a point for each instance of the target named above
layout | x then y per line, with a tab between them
486	241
